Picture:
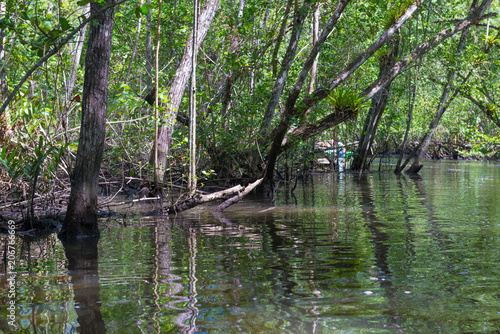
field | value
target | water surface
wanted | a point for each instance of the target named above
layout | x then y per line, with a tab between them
380	254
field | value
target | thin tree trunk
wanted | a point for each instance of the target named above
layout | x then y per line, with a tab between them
487	111
192	108
76	63
281	34
134	51
179	85
72	77
157	69
81	215
412	94
315	29
149	58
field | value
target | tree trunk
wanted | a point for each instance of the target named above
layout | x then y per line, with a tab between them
315	29
192	108
134	51
76	63
179	85
149	58
81	215
412	93
72	81
281	34
378	104
157	70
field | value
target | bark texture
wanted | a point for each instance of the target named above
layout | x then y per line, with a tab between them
81	215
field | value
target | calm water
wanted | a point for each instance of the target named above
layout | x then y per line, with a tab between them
383	254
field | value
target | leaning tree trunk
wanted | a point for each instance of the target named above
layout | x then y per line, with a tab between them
179	85
378	104
286	64
426	140
81	216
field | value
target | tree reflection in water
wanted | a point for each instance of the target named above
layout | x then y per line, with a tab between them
83	271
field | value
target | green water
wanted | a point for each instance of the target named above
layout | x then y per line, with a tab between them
381	254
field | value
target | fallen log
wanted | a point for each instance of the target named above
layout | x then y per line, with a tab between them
231	195
235	199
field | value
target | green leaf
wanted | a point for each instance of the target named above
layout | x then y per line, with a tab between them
144	10
83	2
24	15
64	24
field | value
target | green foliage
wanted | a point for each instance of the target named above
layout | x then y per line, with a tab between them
395	11
10	163
344	97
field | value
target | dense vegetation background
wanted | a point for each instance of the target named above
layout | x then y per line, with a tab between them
245	51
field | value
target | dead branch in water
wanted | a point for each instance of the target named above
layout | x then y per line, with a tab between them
231	195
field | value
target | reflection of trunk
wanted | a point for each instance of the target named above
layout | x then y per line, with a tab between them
173	296
192	281
281	277
81	216
379	237
378	104
83	270
179	85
